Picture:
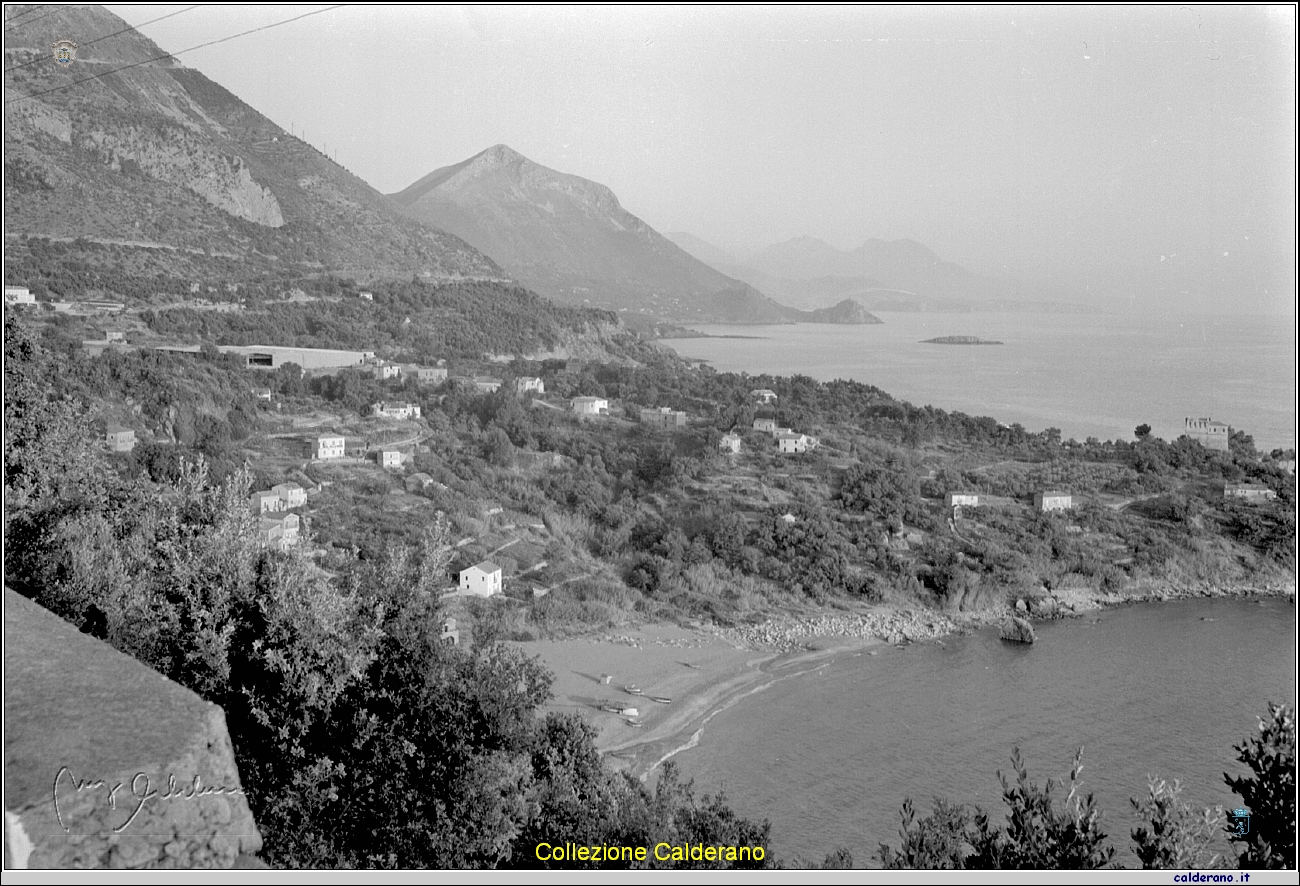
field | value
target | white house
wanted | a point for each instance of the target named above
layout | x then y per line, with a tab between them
366	296
389	458
1053	501
387	370
291	495
766	425
481	579
524	385
486	384
279	532
590	405
791	442
19	295
764	394
961	499
395	410
328	446
729	443
1248	491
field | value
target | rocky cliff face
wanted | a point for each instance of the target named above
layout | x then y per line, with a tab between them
156	153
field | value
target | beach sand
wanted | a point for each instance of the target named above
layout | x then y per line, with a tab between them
702	673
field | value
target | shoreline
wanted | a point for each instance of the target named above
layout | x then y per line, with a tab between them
708	670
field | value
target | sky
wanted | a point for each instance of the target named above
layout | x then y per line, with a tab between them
1146	151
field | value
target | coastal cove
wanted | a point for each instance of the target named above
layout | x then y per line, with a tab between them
1090	375
828	740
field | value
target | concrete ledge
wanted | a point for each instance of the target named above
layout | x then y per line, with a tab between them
108	764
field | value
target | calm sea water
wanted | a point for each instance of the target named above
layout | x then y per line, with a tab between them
1165	689
1089	375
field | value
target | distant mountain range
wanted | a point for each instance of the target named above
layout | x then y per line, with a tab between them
568	238
899	275
162	163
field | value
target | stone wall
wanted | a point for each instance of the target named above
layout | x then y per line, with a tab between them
108	764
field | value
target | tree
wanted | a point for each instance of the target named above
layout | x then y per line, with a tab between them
1174	835
1142	432
1269	793
1037	834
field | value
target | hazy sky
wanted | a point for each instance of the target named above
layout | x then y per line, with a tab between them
1123	149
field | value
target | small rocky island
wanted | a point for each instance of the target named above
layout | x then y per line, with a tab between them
959	340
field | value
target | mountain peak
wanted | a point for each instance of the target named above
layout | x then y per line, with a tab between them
499	155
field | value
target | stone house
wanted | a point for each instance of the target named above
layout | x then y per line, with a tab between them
765	425
961	499
291	495
1248	491
729	443
119	439
1209	433
663	417
524	385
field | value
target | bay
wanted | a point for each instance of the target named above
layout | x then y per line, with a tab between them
1150	689
1090	375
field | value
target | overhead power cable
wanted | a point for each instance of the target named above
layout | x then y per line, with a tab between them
106	36
13	25
174	54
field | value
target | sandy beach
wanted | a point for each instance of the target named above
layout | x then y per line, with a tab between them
699	673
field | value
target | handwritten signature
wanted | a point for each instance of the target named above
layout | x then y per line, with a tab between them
141	792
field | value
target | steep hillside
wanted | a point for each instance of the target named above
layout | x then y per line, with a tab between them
159	159
569	239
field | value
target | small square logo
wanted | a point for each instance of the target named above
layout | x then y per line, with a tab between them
1239	822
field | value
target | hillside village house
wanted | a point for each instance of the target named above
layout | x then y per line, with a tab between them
1248	491
450	636
1053	501
763	394
327	446
792	442
663	417
431	375
486	384
389	458
961	499
729	443
766	425
481	579
265	502
395	410
119	439
590	405
524	385
366	296
262	393
18	295
1209	433
291	495
386	370
279	532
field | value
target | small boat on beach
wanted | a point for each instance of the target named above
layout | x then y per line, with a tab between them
632	689
662	699
629	712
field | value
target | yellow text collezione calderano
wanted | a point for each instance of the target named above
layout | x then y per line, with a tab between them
660	852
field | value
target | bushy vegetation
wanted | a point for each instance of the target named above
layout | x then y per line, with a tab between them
1040	834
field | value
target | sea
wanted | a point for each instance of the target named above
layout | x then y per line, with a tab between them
1150	690
1153	689
1089	375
